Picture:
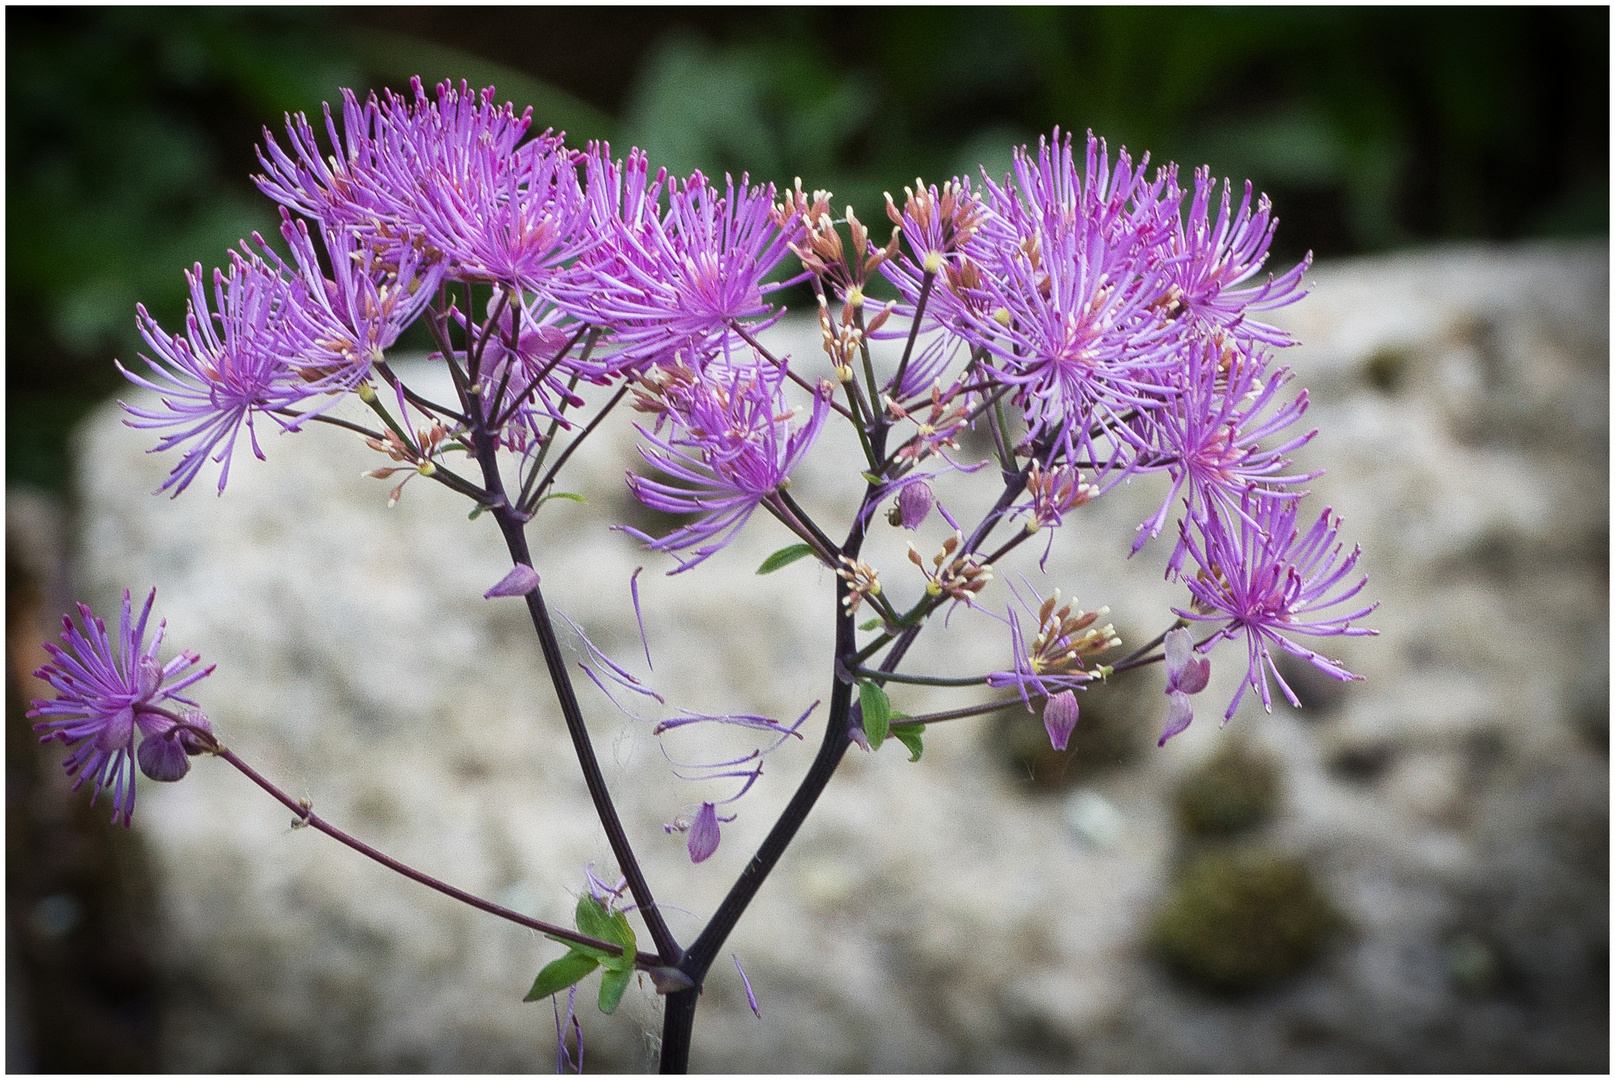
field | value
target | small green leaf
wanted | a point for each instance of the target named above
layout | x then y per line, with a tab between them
870	625
476	512
877	710
612	985
560	974
872	478
562	495
593	919
909	736
785	556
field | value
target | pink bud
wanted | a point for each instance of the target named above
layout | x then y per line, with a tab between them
704	833
1185	672
521	580
1060	718
1178	714
914	503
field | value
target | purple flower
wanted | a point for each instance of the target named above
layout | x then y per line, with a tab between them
497	209
1208	436
226	368
338	327
447	178
1060	718
527	364
1221	256
108	690
1269	580
1070	270
339	189
731	447
670	286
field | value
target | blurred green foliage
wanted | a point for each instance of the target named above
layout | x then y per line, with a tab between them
131	130
129	142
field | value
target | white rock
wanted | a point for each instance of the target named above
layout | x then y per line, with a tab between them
930	916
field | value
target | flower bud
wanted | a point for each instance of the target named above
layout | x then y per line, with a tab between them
914	504
1060	718
162	758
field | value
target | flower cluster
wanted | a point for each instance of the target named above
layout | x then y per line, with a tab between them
1124	326
1090	316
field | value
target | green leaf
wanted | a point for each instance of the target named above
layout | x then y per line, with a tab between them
877	709
612	985
785	556
909	736
595	920
562	495
870	625
476	512
560	974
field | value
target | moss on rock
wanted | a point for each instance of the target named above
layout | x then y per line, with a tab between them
1238	920
1236	790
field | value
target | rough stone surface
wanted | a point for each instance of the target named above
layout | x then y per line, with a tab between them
945	915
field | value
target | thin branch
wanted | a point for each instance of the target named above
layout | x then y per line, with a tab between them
747	337
307	816
954	714
549	477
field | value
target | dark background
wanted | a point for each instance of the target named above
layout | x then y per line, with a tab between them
131	131
130	143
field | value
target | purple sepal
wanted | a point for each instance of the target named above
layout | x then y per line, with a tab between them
1179	712
704	833
521	580
162	758
1185	672
1060	718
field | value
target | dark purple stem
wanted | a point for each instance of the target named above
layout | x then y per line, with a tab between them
512	528
306	816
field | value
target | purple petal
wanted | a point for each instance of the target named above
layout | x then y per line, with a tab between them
521	580
1060	718
704	833
751	998
1178	714
1185	672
